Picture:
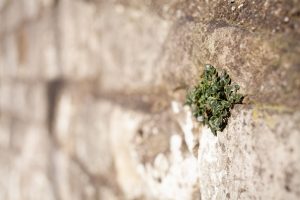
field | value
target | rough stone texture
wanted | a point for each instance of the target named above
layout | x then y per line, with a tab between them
256	161
92	93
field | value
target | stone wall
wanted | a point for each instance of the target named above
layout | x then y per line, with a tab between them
92	94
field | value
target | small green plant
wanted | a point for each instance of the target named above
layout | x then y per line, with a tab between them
212	98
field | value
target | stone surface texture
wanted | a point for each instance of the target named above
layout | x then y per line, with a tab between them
92	99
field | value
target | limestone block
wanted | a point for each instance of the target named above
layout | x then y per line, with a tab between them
253	158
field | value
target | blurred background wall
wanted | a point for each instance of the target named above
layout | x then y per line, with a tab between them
92	94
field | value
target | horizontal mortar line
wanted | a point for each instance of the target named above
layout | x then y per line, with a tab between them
143	99
7	115
43	79
137	100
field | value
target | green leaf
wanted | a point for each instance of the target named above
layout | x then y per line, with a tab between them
212	99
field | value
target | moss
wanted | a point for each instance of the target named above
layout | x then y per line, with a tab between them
212	98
